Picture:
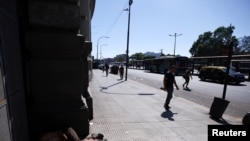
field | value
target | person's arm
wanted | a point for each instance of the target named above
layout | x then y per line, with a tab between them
176	85
165	82
190	74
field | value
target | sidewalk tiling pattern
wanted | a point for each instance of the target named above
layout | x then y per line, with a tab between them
131	111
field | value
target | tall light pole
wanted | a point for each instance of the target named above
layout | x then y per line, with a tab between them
101	50
127	57
98	45
175	34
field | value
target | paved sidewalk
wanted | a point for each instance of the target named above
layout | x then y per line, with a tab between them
131	111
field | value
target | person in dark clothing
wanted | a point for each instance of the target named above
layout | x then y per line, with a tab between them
187	75
168	85
121	71
107	68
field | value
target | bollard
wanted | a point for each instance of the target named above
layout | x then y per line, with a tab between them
246	119
218	107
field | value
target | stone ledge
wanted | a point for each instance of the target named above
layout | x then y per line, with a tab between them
54	14
54	46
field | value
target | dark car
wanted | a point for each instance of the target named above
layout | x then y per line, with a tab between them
114	69
218	73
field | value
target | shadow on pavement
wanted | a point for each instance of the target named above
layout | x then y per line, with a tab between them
141	94
187	89
220	83
220	120
145	94
168	114
103	88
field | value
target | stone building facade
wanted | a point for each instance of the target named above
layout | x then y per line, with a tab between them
45	61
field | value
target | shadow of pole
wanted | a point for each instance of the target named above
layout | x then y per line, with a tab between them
103	88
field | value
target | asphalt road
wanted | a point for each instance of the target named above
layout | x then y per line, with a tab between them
202	92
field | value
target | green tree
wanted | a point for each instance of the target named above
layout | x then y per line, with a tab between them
214	43
137	56
120	58
244	45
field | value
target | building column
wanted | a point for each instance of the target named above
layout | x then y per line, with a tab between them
57	68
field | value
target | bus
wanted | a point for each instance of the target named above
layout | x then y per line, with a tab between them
163	64
136	64
242	66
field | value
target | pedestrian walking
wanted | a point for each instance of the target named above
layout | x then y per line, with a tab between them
107	68
121	71
168	85
103	68
187	75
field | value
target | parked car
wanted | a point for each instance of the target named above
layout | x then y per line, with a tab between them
114	69
218	73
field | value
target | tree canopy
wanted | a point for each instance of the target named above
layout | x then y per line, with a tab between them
137	56
214	43
140	56
244	45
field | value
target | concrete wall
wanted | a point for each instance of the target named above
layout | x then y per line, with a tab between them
45	65
57	76
13	117
56	67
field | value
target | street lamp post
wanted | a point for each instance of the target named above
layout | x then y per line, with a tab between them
98	45
127	51
101	50
175	34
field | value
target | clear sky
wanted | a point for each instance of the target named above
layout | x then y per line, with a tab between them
152	21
